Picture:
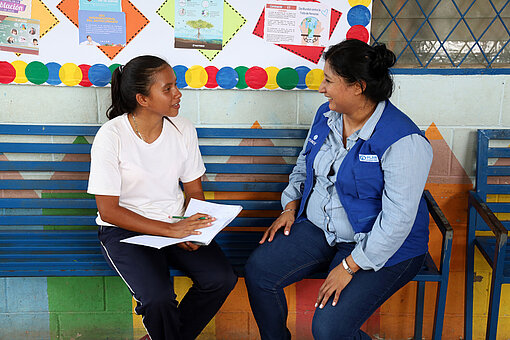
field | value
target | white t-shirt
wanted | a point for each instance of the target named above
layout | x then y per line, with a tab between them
145	176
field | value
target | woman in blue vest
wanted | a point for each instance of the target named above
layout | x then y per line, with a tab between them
353	205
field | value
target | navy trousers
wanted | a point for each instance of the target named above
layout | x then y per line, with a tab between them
288	259
145	271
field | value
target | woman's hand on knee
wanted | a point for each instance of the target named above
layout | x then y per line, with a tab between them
285	220
337	280
189	246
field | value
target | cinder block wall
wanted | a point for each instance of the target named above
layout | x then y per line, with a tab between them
449	108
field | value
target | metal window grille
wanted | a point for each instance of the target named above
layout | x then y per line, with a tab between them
432	34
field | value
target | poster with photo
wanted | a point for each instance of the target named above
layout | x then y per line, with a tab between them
297	23
102	28
19	35
101	5
199	24
16	8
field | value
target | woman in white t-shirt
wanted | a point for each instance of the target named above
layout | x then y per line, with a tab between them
138	159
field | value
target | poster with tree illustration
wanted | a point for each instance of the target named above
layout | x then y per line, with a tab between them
199	24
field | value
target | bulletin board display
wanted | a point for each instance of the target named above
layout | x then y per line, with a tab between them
215	44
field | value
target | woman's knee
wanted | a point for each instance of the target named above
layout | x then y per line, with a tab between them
255	267
328	323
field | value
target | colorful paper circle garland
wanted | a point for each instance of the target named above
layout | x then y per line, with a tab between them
196	76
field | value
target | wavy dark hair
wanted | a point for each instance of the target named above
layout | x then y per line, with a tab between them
369	66
137	76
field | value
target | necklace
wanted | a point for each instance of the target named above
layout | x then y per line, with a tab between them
136	127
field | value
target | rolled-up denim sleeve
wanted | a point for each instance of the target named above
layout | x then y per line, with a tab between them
296	179
405	165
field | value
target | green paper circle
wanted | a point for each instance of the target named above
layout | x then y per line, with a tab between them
241	71
287	78
37	72
113	67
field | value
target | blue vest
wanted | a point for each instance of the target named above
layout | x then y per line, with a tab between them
360	181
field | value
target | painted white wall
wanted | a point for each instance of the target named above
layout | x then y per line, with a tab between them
458	105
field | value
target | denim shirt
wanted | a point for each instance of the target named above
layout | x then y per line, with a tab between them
405	164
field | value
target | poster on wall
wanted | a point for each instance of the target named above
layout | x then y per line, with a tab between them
101	5
19	35
209	43
97	28
16	8
199	24
297	23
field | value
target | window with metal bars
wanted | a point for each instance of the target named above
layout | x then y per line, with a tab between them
444	33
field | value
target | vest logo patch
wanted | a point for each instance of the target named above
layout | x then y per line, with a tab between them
368	158
312	141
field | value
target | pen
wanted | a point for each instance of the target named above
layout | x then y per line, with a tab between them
182	217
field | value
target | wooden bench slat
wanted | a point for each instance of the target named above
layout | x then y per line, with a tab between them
498	171
90	203
50	130
214	168
273	151
251	133
45	148
498	152
52	220
206	150
44	166
23	184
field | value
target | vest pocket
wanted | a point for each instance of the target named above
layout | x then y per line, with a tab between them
369	180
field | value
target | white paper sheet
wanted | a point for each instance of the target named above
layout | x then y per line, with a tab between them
224	214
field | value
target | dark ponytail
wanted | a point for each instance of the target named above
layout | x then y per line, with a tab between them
137	76
358	62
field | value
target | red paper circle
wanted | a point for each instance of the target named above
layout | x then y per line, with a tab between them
358	32
256	77
85	72
211	74
7	72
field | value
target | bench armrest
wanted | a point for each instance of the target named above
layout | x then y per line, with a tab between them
438	216
488	216
445	228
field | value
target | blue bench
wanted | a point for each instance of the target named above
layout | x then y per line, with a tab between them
47	223
485	231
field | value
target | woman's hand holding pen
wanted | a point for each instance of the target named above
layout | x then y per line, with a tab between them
189	226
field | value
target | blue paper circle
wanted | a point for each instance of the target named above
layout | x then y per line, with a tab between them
100	75
358	15
180	73
53	77
302	71
227	77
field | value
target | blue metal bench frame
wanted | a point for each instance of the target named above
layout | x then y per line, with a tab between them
481	218
77	253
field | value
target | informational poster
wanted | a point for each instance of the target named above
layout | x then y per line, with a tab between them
101	5
199	24
297	23
210	44
19	35
102	28
16	8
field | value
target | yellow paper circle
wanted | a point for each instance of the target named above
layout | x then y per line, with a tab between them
314	78
20	67
359	2
196	77
271	77
70	74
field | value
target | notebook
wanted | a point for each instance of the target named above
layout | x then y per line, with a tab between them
224	214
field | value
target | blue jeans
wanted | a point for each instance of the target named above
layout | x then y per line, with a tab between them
288	259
